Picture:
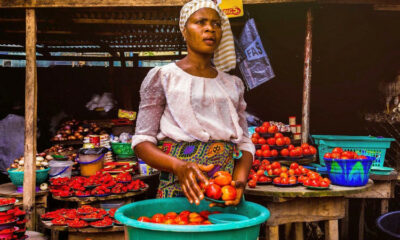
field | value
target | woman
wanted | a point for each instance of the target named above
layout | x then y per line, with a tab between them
195	111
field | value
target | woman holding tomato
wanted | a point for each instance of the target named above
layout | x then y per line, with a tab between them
194	111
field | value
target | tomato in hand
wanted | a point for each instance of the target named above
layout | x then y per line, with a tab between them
228	193
222	178
213	191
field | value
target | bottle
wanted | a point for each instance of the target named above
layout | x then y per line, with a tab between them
143	167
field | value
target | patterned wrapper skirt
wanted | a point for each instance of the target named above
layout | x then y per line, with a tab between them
219	153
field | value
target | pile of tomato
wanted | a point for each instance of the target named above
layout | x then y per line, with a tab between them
100	184
81	217
266	172
7	201
339	153
220	187
14	217
182	218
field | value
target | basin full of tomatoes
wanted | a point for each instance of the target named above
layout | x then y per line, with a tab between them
100	184
182	218
339	153
81	217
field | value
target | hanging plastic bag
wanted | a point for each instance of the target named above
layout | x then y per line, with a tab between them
252	58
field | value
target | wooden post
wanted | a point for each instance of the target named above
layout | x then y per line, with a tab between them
299	231
272	232
331	230
305	128
30	119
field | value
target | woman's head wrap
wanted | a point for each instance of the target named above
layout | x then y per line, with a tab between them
224	55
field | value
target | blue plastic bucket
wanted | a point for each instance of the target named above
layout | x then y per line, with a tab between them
349	172
243	230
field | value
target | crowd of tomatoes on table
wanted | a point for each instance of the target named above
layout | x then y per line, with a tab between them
12	220
82	217
100	184
265	172
182	218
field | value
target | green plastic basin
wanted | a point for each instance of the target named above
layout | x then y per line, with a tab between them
243	230
17	177
123	150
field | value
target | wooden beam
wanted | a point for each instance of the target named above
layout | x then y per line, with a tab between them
307	79
387	7
158	3
88	58
30	120
125	21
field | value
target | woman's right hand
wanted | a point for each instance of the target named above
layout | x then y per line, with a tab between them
189	174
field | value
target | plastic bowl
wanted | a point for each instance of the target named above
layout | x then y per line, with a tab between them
123	150
17	177
244	230
349	172
226	218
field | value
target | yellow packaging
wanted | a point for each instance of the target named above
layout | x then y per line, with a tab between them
232	8
131	115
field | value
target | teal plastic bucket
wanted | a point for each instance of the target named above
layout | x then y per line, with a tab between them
349	172
243	230
17	177
362	145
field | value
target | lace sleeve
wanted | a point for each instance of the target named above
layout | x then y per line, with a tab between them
151	108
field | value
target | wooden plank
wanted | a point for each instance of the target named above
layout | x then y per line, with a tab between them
380	189
299	231
302	192
125	21
384	206
30	119
331	230
272	232
305	120
387	7
86	58
288	229
10	190
344	224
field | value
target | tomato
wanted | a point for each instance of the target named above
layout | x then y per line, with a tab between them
291	172
263	178
184	213
196	220
335	155
264	147
313	150
262	167
278	135
170	221
276	171
306	181
300	179
252	183
299	151
324	184
277	180
313	176
261	141
297	172
294	165
327	180
254	140
275	165
158	218
337	150
284	152
292	180
284	181
255	135
259	153
344	158
270	172
293	153
274	153
194	215
291	147
213	191
306	151
304	145
279	141
271	141
263	129
265	162
328	155
260	172
257	129
222	178
266	153
284	169
314	183
287	140
304	170
171	215
266	124
268	167
228	193
272	129
283	175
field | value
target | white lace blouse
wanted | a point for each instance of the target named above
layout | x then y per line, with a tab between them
175	104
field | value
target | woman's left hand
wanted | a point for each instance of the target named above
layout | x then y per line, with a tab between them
236	201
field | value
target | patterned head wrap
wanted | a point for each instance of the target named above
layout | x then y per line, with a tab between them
224	55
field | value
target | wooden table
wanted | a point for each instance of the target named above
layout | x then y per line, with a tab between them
10	190
115	232
298	205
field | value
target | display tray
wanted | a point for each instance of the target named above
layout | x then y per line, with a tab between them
286	185
101	227
264	183
276	147
214	200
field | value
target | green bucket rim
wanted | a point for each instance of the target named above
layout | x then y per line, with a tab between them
38	171
119	215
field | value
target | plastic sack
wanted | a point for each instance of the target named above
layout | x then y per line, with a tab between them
252	59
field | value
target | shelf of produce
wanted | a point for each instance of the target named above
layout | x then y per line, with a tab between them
49	225
88	200
68	142
301	191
